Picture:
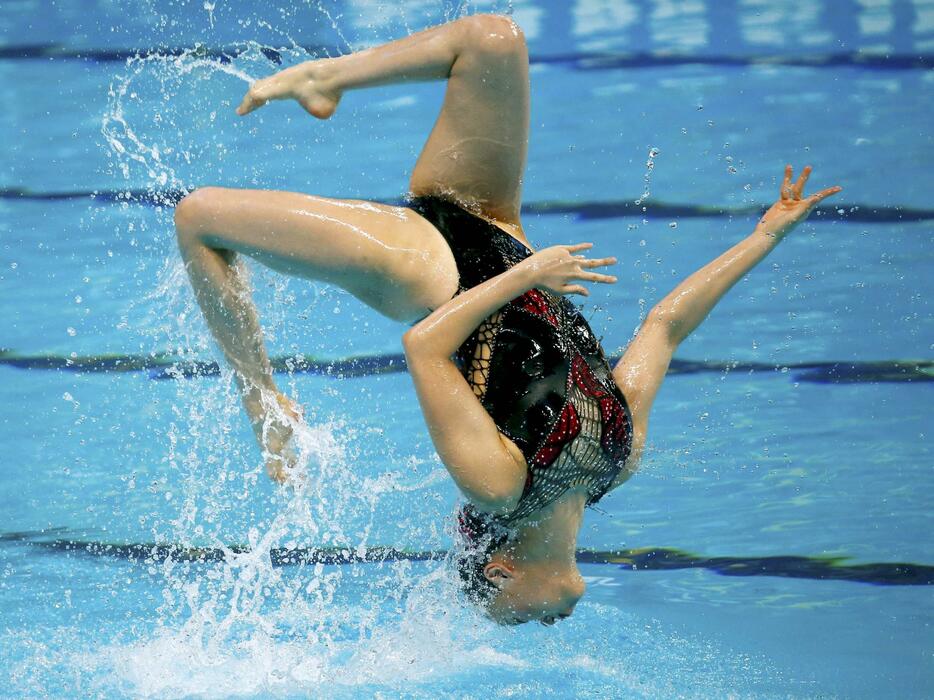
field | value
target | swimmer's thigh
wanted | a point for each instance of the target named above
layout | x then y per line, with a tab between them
388	257
477	148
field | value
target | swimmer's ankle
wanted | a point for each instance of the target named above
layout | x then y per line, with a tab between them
325	75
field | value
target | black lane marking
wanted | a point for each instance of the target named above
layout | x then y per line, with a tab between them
643	559
578	60
168	367
582	211
786	566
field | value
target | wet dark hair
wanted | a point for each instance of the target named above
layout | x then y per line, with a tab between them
479	536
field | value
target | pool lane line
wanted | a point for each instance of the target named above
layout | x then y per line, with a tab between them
581	211
575	60
831	568
162	367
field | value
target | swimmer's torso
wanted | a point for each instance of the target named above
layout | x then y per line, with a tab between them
538	369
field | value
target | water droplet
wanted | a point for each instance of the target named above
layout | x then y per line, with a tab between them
731	170
71	331
68	397
672	224
14	265
78	299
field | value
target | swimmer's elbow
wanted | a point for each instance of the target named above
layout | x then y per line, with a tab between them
418	342
493	498
669	325
413	341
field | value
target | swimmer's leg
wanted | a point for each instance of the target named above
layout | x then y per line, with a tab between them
477	148
388	257
476	151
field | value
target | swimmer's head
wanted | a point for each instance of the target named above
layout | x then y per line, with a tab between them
509	588
541	591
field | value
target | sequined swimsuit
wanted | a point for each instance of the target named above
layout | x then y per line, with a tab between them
539	371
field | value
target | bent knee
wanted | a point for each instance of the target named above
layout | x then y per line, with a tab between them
495	33
194	212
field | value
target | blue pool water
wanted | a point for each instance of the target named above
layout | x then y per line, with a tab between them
790	467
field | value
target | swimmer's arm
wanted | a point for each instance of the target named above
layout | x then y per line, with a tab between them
691	301
556	269
487	466
640	372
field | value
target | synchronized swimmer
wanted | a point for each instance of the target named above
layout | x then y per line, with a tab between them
525	412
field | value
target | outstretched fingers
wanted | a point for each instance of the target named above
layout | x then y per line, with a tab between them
597	262
823	194
598	277
791	193
786	190
798	189
561	271
588	264
575	289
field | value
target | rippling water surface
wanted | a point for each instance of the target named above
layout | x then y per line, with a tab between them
789	475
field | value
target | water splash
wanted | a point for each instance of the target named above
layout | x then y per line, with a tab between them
242	626
647	176
146	152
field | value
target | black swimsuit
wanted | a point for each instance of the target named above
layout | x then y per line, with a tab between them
539	371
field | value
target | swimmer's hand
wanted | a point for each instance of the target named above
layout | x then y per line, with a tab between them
557	269
792	207
309	83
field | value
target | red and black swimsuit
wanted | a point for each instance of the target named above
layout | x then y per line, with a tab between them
539	371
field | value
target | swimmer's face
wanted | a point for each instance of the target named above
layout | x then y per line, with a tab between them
543	592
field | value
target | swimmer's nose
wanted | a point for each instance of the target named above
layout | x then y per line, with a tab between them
551	619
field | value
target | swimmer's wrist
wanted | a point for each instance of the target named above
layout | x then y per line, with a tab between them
770	233
526	273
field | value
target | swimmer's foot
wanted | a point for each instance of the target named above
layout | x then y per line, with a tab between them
274	425
311	84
